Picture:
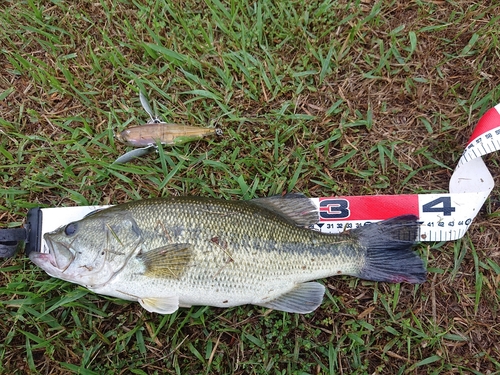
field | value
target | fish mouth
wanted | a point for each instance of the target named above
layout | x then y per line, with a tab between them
58	256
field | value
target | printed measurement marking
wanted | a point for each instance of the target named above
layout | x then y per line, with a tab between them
434	206
334	209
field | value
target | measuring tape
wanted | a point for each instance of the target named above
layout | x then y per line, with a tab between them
443	217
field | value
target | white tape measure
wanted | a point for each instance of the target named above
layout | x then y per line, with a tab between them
443	217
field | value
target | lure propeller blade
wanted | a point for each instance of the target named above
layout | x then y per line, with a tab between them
147	108
135	153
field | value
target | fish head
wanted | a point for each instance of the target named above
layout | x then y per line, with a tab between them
90	251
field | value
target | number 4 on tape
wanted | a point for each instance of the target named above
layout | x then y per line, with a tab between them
441	204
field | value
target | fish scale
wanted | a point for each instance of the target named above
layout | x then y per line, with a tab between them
184	251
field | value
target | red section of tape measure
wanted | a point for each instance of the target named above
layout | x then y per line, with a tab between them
376	207
489	121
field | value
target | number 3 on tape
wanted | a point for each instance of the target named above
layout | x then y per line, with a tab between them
443	217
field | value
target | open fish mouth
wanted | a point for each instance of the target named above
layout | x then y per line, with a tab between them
57	255
43	260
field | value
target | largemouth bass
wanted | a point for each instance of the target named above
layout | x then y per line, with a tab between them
176	252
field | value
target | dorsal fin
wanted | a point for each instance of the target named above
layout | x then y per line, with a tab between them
294	207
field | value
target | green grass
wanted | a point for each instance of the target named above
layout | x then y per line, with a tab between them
322	97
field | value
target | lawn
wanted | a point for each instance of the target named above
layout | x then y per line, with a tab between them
320	97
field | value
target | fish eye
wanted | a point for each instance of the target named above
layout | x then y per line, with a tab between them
70	229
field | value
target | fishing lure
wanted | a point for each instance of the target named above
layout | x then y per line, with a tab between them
155	131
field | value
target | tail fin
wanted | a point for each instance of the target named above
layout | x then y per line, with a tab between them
389	251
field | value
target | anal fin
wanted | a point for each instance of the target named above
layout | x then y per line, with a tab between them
302	299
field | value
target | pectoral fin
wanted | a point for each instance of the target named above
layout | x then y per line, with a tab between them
302	299
169	261
160	305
